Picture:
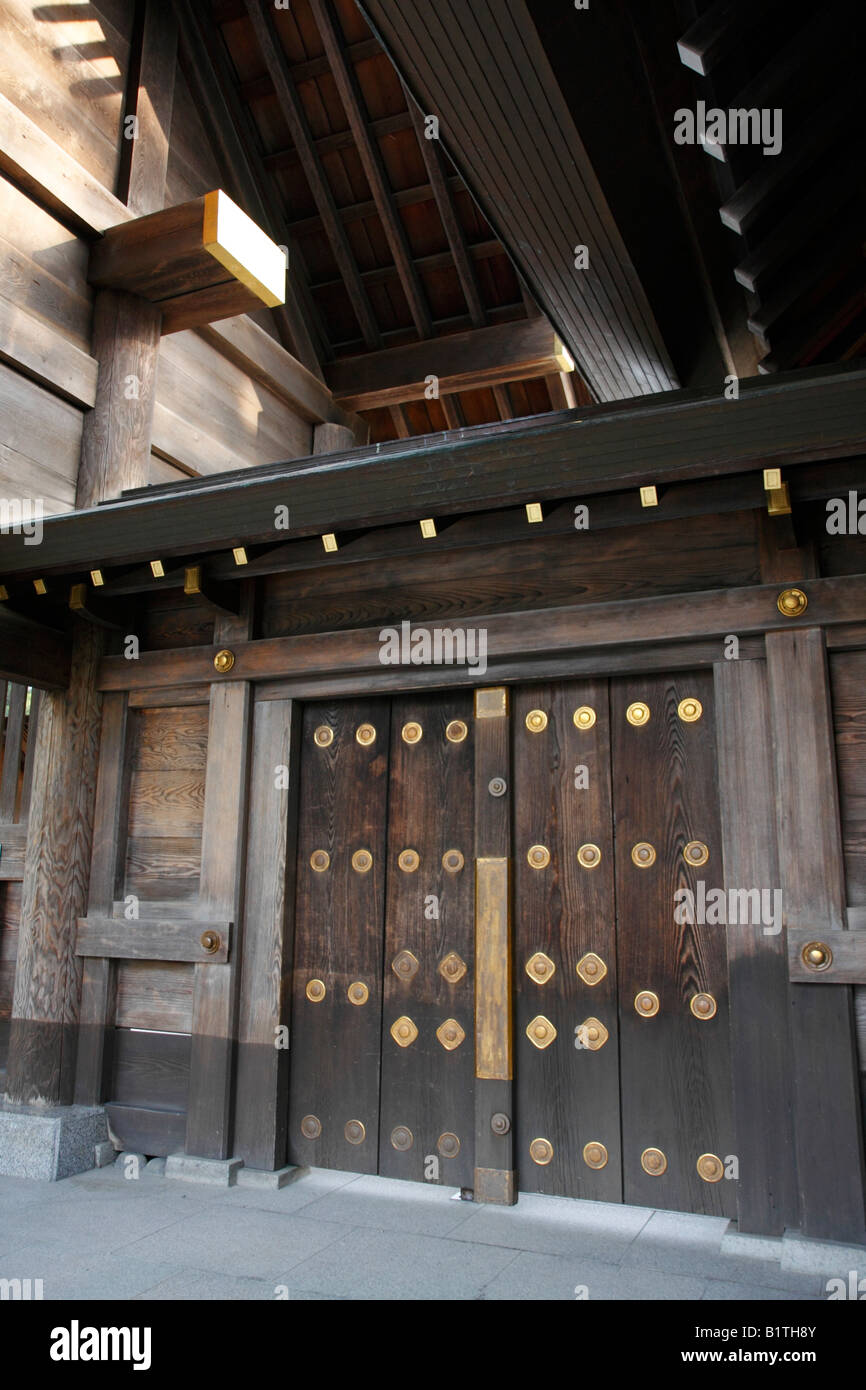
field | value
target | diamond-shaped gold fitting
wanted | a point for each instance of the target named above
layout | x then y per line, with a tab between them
404	1032
450	1034
591	968
405	965
540	968
592	1034
541	1032
452	968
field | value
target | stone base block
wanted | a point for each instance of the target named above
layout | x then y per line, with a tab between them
49	1142
219	1172
256	1177
802	1255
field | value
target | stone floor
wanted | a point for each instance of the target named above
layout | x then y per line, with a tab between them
338	1236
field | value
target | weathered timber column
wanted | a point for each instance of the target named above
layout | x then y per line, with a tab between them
829	1135
115	447
42	1042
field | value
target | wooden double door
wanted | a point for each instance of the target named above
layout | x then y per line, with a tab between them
620	1087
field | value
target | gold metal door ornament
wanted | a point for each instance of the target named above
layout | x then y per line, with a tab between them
409	861
402	1138
817	955
405	965
456	731
540	968
211	942
538	857
536	721
311	1127
355	1132
362	861
541	1152
690	710
591	968
643	855
412	733
404	1032
595	1155
646	1003
791	603
541	1032
452	968
638	714
324	736
585	717
589	856
592	1035
696	853
653	1161
316	991
448	1145
365	735
320	860
224	661
703	1006
452	861
450	1034
710	1167
358	994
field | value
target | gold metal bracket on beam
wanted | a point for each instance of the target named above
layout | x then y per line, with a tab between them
85	605
778	496
224	595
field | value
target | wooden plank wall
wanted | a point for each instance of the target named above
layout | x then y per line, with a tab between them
848	684
19	710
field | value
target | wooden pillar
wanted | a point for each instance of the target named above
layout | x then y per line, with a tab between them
42	1042
216	986
829	1134
767	1200
495	1176
268	936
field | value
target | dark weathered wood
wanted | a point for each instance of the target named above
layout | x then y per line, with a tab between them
31	653
336	1045
136	1129
761	1043
428	1087
17	698
13	839
48	976
150	1069
566	1093
675	1069
346	82
261	1118
150	97
826	1090
798	417
152	939
461	361
848	963
533	634
115	447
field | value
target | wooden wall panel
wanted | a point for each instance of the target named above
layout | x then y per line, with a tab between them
226	418
40	445
43	266
155	995
10	916
848	681
65	67
192	167
167	759
586	566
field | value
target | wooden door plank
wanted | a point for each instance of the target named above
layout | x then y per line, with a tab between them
17	698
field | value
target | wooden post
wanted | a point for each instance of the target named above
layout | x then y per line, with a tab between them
216	987
495	1176
829	1134
42	1042
268	936
144	154
767	1200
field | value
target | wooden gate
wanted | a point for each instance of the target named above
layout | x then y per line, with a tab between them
621	1086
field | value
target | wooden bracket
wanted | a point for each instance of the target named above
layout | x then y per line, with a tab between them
201	942
817	957
84	603
224	595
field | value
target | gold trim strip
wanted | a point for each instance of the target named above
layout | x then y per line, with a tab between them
491	703
494	1043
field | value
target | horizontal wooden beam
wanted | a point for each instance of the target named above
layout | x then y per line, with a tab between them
820	957
31	654
532	634
13	843
796	417
148	940
461	362
41	352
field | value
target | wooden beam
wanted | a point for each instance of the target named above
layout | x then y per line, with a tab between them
32	654
178	940
359	212
462	362
845	956
257	87
40	351
399	421
293	109
17	697
349	91
150	99
534	634
723	26
796	417
340	140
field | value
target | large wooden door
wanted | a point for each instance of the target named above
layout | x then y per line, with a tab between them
382	1058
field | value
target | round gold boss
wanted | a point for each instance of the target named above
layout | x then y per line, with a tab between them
402	1138
324	736
412	733
703	1006
696	853
448	1145
710	1167
643	855
595	1155
456	731
224	661
585	717
316	991
358	993
409	861
589	856
690	710
638	714
311	1126
539	857
646	1003
653	1162
452	861
536	721
792	602
355	1132
362	861
541	1152
320	860
365	735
